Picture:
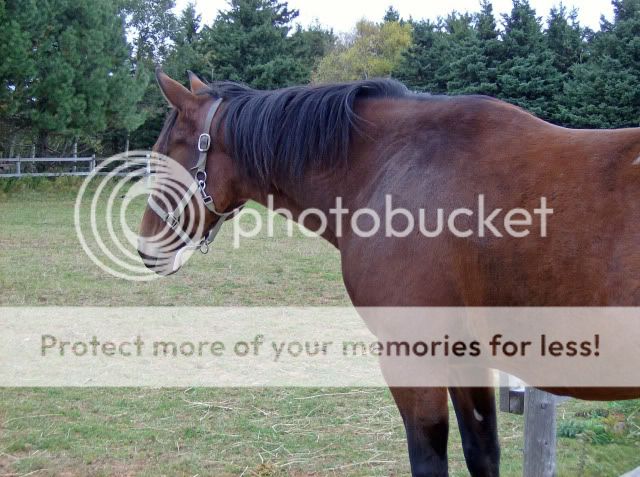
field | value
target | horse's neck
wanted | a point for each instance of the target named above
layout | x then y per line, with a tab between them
315	192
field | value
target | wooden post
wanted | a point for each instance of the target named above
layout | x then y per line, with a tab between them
504	392
511	399
92	164
539	434
33	156
75	155
18	168
148	171
126	153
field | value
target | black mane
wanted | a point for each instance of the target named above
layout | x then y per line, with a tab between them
278	135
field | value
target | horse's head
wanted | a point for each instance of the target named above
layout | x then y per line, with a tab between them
196	191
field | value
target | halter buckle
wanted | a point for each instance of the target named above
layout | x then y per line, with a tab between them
204	142
204	248
206	198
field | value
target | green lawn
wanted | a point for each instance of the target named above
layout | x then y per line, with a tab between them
225	432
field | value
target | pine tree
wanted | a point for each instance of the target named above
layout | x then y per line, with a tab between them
486	22
527	75
566	38
625	10
17	67
309	46
154	31
600	94
185	53
470	69
249	43
151	24
457	55
522	34
80	80
603	92
391	15
425	64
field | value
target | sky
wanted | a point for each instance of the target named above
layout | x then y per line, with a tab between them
341	15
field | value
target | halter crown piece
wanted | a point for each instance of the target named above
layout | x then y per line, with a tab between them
172	219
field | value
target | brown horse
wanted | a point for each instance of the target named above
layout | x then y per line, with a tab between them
306	146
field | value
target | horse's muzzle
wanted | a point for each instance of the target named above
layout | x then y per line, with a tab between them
162	263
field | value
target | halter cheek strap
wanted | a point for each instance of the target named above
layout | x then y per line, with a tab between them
172	219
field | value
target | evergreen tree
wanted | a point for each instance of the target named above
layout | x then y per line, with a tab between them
522	34
309	46
155	33
425	64
624	10
621	39
600	94
185	52
151	24
249	43
470	69
566	38
391	15
457	55
603	92
80	80
17	68
486	22
527	75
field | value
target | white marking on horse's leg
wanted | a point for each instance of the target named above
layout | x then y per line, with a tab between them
478	416
637	162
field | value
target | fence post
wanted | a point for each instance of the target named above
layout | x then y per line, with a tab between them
34	166
504	393
511	398
75	156
126	153
18	167
92	164
539	434
148	171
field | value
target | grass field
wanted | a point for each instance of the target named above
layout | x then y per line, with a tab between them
227	432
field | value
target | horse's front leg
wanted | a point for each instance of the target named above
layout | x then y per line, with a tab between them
476	413
425	415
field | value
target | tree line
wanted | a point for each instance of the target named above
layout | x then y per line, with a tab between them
82	70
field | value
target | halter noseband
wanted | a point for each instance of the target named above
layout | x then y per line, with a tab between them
172	219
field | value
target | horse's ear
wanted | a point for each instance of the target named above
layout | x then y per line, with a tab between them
176	94
196	83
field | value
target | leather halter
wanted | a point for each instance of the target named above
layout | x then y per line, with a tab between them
172	219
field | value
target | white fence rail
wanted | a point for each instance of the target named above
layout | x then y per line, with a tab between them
80	166
15	167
